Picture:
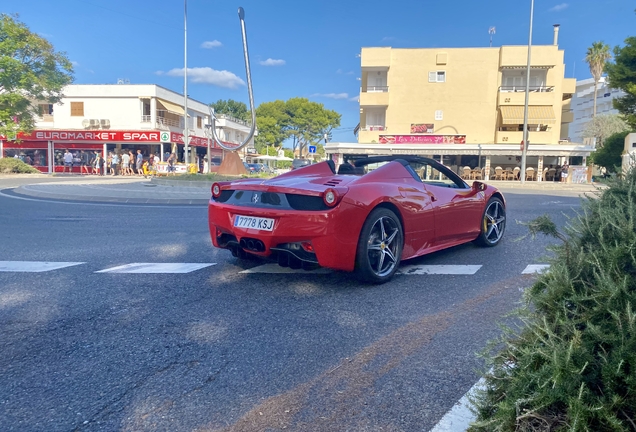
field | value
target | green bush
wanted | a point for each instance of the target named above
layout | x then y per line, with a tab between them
571	366
15	166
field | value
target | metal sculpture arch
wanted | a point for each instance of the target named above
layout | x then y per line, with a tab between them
241	14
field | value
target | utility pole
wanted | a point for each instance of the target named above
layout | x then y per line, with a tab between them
525	143
185	82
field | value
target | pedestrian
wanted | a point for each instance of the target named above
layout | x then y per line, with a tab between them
131	168
68	162
114	163
125	164
564	173
139	163
96	163
172	159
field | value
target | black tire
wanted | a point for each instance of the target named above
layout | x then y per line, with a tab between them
493	223
379	246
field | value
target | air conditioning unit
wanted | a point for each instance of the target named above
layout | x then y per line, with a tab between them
94	123
86	123
105	123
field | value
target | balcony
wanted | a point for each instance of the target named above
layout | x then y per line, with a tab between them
567	116
373	128
376	97
539	95
515	137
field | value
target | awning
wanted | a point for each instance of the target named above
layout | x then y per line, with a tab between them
536	114
169	106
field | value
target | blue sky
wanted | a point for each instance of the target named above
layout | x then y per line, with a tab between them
301	48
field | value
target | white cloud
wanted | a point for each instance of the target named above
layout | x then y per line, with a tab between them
559	7
332	95
211	44
206	75
74	63
355	99
272	62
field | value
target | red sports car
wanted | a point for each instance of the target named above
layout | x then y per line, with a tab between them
364	217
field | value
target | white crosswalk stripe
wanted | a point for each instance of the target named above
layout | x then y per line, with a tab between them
536	268
273	268
439	269
34	266
157	268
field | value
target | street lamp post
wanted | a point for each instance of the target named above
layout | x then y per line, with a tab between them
185	82
524	150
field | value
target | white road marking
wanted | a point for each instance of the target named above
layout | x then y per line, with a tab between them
459	417
156	268
34	266
275	268
536	268
439	269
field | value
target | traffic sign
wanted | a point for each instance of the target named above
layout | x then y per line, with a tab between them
312	149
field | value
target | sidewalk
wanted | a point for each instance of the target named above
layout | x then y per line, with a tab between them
172	191
106	189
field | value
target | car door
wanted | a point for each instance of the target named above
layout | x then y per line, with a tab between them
457	206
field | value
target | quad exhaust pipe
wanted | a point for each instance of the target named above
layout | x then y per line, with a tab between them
252	245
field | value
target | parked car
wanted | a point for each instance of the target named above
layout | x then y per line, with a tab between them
299	163
366	216
260	168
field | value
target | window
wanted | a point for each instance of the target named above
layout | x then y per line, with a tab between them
439	115
437	76
77	109
45	109
199	122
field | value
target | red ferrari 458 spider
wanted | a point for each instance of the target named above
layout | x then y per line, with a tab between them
365	217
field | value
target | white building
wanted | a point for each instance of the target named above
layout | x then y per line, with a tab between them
147	117
583	105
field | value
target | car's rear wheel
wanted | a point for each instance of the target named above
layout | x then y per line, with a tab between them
493	223
379	246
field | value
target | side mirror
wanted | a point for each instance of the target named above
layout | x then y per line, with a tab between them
479	186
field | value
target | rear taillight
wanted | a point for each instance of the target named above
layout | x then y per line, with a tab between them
330	197
216	190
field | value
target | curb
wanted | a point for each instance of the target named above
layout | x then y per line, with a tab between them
24	193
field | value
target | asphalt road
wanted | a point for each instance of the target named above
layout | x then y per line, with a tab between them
217	350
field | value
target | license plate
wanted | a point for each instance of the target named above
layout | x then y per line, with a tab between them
258	223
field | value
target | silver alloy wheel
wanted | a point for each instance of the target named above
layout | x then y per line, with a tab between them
494	222
383	246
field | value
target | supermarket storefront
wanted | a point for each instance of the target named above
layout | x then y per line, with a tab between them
44	149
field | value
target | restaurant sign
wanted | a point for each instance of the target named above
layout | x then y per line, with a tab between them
422	139
422	128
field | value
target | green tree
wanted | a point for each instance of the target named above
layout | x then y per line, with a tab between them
572	365
622	75
603	126
31	72
272	121
309	121
232	108
610	155
597	55
303	121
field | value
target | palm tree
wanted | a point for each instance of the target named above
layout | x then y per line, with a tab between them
596	57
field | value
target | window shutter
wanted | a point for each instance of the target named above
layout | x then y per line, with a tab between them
432	76
439	115
77	109
441	76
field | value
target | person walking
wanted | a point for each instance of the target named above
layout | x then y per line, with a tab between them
114	163
68	162
564	173
172	160
139	163
125	164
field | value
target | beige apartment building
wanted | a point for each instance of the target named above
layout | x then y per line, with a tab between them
465	101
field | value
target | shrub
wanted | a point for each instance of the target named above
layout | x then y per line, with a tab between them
572	364
15	166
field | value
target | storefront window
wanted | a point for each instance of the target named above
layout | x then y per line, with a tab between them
34	157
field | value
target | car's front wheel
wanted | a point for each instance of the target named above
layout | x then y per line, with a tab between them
379	246
493	223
